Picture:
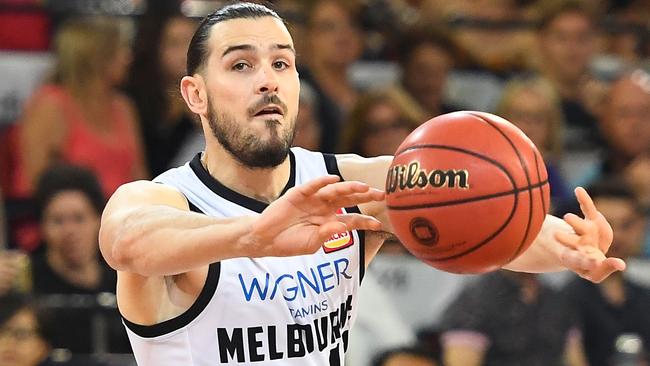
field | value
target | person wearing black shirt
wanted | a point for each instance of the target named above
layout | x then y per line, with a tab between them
70	202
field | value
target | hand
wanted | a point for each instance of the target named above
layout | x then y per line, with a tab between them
306	216
8	270
585	247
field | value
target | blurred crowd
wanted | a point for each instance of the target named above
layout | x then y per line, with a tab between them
573	75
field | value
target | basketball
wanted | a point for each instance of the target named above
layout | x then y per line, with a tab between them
467	192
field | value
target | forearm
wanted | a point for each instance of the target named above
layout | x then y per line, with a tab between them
161	240
544	254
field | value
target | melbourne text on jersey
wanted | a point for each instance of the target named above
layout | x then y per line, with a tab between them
260	343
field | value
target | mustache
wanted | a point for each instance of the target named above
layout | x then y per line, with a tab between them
268	99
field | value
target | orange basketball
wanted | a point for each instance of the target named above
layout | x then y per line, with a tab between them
467	192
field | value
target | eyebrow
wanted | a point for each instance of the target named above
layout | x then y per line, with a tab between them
248	47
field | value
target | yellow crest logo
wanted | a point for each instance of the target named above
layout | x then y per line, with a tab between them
338	241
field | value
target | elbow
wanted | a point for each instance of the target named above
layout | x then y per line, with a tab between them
122	254
119	248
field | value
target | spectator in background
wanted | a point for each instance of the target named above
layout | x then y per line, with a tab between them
485	42
167	126
70	202
78	116
617	305
566	39
629	40
532	105
335	42
507	319
625	121
308	131
24	332
426	60
406	356
379	123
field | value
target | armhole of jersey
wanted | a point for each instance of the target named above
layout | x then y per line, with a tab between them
332	167
201	302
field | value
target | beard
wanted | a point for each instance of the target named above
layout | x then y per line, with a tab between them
247	147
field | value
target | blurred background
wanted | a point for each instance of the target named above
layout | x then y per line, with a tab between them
89	100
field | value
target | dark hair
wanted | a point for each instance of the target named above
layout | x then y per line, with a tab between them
198	50
13	303
409	43
383	357
64	177
559	8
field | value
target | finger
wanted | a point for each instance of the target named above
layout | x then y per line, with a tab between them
586	204
605	233
326	230
333	191
315	185
605	269
570	240
578	262
360	222
580	226
357	198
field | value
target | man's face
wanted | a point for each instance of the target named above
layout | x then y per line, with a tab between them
334	37
567	45
626	122
425	75
253	88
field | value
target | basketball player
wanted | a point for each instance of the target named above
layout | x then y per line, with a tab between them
244	255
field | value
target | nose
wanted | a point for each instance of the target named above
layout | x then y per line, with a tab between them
268	81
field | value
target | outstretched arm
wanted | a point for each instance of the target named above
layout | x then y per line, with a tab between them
575	243
148	230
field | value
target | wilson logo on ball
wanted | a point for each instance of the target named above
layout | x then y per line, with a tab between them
411	176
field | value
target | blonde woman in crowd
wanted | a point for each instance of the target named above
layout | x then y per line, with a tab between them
78	116
379	122
533	106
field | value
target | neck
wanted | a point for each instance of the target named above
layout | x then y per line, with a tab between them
93	92
261	184
567	88
86	276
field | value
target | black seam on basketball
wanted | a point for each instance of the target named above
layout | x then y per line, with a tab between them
468	200
530	193
488	239
539	177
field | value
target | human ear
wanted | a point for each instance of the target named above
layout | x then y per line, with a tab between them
194	94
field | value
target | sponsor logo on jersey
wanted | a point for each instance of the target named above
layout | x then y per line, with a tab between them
296	284
338	241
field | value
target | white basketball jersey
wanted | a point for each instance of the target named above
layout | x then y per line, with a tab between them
260	311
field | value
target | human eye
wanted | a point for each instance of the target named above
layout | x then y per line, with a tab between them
240	66
280	65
